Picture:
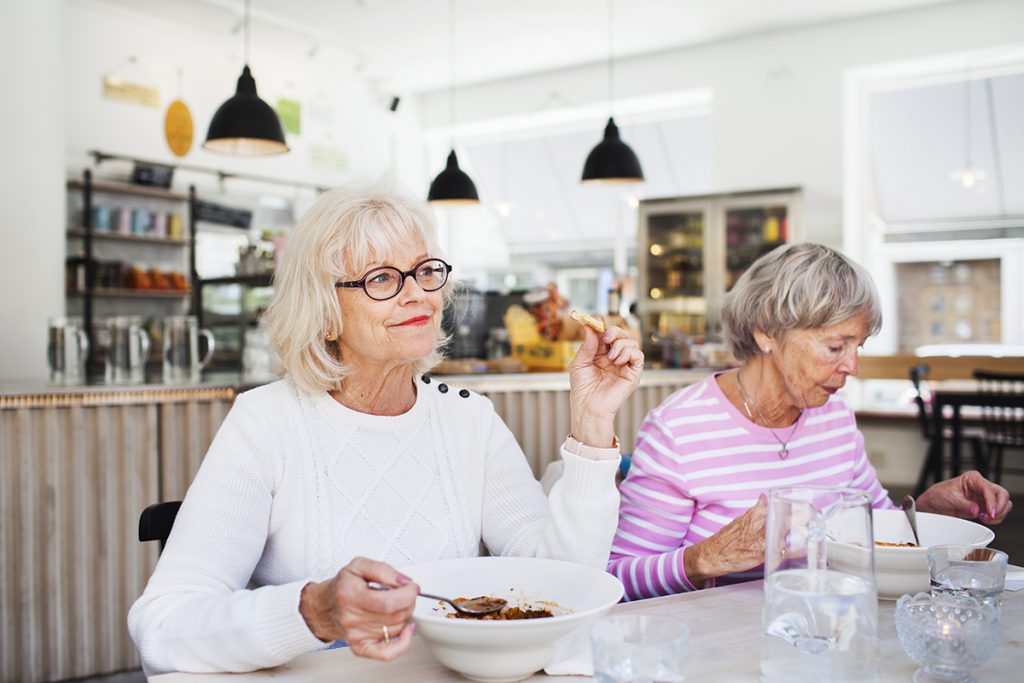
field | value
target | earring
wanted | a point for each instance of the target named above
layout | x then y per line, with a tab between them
331	336
767	350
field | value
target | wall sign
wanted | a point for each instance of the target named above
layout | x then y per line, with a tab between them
117	88
178	129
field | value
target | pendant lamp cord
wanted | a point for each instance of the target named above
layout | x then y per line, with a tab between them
246	28
451	67
611	57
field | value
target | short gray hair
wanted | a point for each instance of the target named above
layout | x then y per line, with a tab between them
797	286
345	231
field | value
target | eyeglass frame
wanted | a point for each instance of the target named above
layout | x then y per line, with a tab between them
361	282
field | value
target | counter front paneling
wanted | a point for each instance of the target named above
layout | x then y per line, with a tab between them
78	465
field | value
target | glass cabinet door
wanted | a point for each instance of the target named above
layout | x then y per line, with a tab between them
751	232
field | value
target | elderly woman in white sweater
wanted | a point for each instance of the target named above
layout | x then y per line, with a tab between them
357	463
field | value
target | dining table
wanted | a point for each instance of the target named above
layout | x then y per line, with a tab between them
725	643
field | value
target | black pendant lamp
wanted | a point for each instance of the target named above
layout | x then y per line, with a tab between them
612	160
452	186
245	124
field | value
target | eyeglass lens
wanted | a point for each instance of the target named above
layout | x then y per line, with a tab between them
385	282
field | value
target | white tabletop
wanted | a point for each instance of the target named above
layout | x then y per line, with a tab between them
725	624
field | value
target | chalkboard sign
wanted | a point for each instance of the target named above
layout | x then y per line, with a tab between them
224	215
153	175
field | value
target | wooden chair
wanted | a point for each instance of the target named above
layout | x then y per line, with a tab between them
157	520
1001	397
934	468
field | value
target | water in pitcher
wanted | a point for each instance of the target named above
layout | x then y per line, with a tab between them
820	626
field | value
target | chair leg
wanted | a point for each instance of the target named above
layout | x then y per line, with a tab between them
981	462
931	464
998	474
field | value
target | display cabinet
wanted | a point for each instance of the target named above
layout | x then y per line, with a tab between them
693	249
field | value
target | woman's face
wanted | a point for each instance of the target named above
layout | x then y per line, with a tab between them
814	363
402	329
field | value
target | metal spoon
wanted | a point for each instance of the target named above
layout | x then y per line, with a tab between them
910	508
475	607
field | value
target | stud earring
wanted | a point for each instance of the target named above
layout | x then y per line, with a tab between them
331	336
767	350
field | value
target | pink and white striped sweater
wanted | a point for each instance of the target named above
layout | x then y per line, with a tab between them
700	463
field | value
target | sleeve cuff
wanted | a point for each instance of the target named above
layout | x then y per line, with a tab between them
589	452
283	629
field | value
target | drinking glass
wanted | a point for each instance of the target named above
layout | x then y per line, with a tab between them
820	613
127	351
639	648
181	349
966	570
67	348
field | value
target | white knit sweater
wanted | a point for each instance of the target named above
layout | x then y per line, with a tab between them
295	485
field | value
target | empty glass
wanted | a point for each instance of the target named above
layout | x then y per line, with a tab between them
820	614
639	648
947	634
67	349
181	349
966	570
127	351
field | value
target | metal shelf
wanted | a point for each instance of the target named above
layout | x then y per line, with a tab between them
117	237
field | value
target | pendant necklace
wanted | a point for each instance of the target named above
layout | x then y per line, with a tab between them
747	401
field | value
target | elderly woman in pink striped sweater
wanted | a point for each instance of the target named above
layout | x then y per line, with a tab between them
693	505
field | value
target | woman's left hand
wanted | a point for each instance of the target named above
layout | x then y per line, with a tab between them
969	496
602	376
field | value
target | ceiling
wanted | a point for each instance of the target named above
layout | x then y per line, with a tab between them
403	45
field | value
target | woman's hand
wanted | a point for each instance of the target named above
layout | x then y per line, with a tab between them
969	496
736	547
602	376
375	623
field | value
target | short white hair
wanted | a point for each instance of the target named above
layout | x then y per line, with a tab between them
345	231
797	286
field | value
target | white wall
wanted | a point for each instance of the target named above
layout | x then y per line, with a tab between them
777	97
31	183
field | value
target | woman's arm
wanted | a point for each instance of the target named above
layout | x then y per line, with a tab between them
970	496
196	613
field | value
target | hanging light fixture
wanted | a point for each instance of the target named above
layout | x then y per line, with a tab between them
968	176
245	124
612	160
452	186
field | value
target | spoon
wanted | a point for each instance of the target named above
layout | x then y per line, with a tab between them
910	508
475	607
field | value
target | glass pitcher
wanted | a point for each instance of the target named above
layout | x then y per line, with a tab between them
820	614
127	351
181	349
67	349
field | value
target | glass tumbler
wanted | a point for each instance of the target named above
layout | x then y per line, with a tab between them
820	612
966	570
639	648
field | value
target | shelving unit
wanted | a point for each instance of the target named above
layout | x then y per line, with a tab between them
87	292
230	330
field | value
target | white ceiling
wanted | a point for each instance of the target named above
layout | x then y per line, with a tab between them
403	45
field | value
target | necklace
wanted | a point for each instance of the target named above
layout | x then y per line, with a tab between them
747	401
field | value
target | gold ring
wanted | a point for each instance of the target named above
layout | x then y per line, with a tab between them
387	635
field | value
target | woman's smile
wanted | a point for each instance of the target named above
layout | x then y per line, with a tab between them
417	321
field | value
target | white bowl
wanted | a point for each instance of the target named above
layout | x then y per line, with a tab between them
496	651
899	571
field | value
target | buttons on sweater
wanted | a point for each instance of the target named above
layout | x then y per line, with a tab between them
443	388
425	379
464	393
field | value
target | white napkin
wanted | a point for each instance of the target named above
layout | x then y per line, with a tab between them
572	656
1014	580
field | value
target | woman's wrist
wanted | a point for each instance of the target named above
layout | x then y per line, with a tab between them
317	617
597	431
694	564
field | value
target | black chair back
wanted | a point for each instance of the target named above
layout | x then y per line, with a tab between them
157	520
1001	397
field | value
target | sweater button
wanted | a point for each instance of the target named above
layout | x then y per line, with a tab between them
464	393
443	388
425	379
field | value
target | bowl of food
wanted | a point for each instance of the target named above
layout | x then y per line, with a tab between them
901	567
521	640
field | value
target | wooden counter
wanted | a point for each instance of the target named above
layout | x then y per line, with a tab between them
78	465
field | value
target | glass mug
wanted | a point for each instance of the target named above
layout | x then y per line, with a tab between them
820	613
127	351
67	349
181	349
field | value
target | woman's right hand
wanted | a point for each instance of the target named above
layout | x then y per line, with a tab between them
377	624
736	547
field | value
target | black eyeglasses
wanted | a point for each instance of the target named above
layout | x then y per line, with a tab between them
386	282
